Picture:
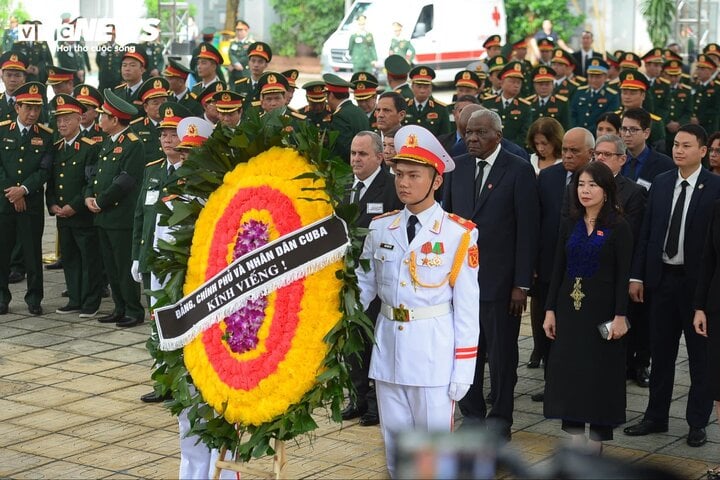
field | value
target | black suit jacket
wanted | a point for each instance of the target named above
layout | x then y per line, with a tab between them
380	191
577	55
507	219
552	190
647	261
631	198
706	296
655	164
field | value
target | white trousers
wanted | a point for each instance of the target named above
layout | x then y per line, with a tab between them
197	461
403	408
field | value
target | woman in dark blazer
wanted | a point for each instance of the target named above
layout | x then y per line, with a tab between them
707	310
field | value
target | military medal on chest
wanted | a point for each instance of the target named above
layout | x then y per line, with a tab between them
432	252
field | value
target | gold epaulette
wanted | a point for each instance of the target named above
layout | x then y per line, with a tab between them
193	95
466	224
580	79
154	162
387	214
489	96
611	90
256	103
573	82
522	100
132	137
242	80
685	86
409	100
583	87
663	80
122	85
139	119
298	115
89	141
562	98
531	98
655	117
438	102
43	127
59	142
5	122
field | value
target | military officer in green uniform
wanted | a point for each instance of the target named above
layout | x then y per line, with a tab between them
659	87
38	57
361	48
238	52
133	68
92	99
613	70
347	118
706	95
633	91
680	101
543	103
519	52
111	196
684	77
364	87
397	69
467	82
206	59
546	47
513	110
713	50
260	55
495	65
493	46
273	87
152	93
156	178
631	61
564	64
26	156
229	107
423	109
205	98
400	45
594	99
75	156
291	76
317	110
176	74
12	67
109	60
154	54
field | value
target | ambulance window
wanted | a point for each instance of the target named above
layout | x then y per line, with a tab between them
425	21
358	10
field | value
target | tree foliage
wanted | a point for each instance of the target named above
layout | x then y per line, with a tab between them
307	22
525	17
659	15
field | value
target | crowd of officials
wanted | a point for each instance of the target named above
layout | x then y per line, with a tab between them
587	183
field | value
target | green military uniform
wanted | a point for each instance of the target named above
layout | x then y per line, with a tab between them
154	54
145	127
566	88
347	118
247	86
633	80
361	48
320	119
467	82
209	52
238	52
315	95
66	185
13	62
706	99
397	69
38	55
25	160
515	113
71	56
115	187
7	110
404	48
91	98
176	69
555	106
588	106
109	60
680	101
432	114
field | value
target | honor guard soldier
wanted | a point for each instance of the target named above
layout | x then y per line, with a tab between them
75	157
364	86
238	52
291	77
706	95
659	88
493	46
514	111
401	46
680	101
564	64
205	98
361	47
317	110
593	100
467	82
109	60
92	99
12	66
495	65
176	74
206	61
26	157
543	103
423	109
347	118
153	189
152	93
423	265
273	85
260	55
546	47
633	91
397	69
111	196
133	67
229	107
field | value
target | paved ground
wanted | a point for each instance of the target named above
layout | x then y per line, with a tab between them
69	408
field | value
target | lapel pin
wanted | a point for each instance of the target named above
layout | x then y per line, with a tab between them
700	186
489	186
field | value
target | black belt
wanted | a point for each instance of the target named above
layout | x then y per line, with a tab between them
674	269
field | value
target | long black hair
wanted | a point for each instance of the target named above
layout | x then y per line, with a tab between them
603	176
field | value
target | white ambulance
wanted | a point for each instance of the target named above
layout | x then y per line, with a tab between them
447	35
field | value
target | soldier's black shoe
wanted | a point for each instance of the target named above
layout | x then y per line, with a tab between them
35	309
58	265
369	419
129	322
112	318
645	427
3	309
16	277
353	411
153	397
696	437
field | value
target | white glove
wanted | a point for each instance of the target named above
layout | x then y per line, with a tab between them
135	271
458	390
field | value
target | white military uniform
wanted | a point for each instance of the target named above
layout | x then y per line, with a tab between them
414	362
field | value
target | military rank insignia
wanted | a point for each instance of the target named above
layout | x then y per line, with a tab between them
473	256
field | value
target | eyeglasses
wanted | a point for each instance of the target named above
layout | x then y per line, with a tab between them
714	151
599	154
630	130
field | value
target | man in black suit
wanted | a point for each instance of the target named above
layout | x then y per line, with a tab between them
666	263
374	192
643	163
496	190
586	53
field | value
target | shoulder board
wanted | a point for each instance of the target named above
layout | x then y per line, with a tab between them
685	75
43	127
663	80
59	142
531	97
256	103
89	141
154	162
242	80
655	117
583	87
684	86
573	82
387	214
562	98
139	119
298	115
580	79
122	85
5	122
522	100
611	90
193	95
489	96
438	102
132	137
410	101
614	81
466	224
717	82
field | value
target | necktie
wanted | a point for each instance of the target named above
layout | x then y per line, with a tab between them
542	103
171	170
11	102
128	92
479	178
412	221
24	134
356	192
507	103
633	168
420	107
673	239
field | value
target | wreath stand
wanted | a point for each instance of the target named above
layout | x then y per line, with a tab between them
278	470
